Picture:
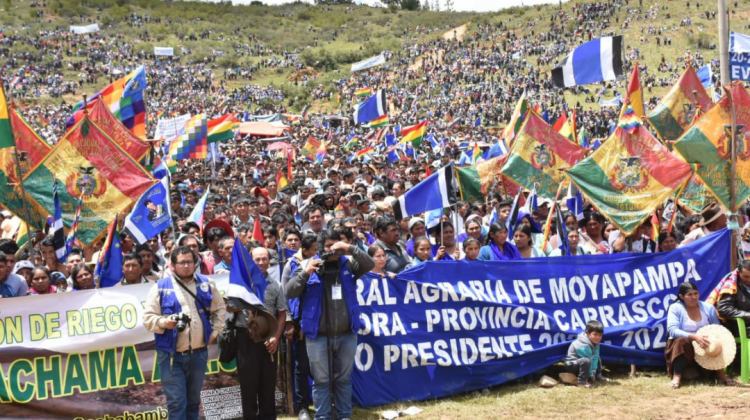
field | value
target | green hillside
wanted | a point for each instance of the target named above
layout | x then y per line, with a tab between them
344	33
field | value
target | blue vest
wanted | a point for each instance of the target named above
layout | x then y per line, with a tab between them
312	301
170	305
293	303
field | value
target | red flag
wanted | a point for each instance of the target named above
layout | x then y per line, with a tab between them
560	122
428	172
258	231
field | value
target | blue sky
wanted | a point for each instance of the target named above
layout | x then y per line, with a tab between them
459	5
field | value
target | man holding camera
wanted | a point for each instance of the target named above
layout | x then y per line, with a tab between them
186	313
330	319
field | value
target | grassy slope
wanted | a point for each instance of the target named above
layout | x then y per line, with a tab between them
287	25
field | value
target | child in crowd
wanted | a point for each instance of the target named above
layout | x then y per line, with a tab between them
471	249
583	355
422	250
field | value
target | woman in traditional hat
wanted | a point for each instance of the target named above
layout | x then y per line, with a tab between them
686	316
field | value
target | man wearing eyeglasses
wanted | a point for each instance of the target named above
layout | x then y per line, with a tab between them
181	347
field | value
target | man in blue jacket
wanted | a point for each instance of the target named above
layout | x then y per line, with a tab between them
330	317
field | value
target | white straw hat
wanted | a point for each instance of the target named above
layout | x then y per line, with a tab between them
721	350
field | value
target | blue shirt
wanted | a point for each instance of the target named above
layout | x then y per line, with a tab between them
14	286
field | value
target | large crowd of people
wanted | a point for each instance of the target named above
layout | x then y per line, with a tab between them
336	206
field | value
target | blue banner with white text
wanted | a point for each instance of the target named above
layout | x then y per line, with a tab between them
448	327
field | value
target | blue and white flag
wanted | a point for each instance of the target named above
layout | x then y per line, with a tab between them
706	76
152	213
435	192
432	218
161	170
391	143
370	62
616	101
58	232
595	61
371	109
531	204
513	218
574	201
494	218
497	149
739	56
246	282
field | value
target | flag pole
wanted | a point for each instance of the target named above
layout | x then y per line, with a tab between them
732	173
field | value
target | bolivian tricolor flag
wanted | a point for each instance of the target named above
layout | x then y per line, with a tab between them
221	129
707	143
414	134
364	152
310	148
676	110
32	150
281	181
380	122
351	142
90	165
694	194
516	120
628	176
537	156
474	181
363	93
476	153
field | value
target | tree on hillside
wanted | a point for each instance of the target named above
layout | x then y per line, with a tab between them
410	4
448	5
436	5
426	5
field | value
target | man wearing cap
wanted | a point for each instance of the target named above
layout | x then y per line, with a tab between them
713	219
256	363
183	355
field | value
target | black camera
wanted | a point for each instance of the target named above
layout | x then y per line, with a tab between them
329	266
183	320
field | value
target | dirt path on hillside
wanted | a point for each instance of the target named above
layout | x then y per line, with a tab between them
448	35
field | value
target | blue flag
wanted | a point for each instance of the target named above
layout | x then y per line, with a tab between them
595	61
152	213
705	76
478	122
574	201
371	109
497	149
108	270
435	192
161	170
390	140
58	232
245	274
